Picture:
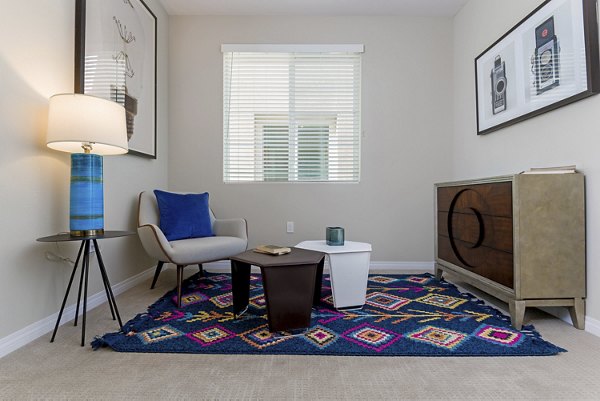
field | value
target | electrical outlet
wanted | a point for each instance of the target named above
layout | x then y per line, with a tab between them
290	227
92	247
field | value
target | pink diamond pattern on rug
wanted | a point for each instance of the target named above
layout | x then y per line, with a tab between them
382	279
262	338
157	334
418	280
368	336
210	335
386	301
191	298
443	338
258	301
443	301
499	335
223	301
320	337
220	277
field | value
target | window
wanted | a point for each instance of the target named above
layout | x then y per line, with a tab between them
291	113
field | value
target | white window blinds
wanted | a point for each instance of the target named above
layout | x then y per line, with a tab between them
291	113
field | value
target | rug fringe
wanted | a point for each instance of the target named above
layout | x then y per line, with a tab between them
133	323
98	342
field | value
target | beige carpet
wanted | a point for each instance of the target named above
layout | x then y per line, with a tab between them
64	370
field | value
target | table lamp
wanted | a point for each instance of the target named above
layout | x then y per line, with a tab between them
87	127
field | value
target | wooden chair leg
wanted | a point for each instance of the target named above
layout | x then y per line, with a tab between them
179	281
157	273
201	269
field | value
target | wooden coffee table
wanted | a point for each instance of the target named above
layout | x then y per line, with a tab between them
291	283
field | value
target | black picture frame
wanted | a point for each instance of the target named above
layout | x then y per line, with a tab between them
546	61
116	59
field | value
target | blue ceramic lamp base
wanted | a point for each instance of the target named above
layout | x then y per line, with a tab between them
87	195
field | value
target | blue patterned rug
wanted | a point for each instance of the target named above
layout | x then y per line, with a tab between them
410	315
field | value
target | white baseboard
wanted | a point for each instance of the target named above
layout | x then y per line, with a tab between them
592	326
16	340
403	266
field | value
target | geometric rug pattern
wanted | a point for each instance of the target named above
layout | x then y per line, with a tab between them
404	315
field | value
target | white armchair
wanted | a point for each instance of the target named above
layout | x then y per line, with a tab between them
231	238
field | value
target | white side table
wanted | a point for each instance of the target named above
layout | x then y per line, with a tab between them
349	265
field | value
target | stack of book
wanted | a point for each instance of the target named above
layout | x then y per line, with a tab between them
272	249
551	170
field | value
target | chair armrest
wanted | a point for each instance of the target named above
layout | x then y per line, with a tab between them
231	228
154	242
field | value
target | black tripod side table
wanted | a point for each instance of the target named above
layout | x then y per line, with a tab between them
85	249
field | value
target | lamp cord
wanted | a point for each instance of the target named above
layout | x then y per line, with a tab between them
58	255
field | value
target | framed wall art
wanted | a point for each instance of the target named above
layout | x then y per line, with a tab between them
115	58
546	61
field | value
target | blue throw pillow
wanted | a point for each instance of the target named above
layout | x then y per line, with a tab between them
183	215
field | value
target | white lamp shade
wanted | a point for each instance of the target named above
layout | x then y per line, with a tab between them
76	119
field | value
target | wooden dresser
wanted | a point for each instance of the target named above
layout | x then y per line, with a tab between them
521	238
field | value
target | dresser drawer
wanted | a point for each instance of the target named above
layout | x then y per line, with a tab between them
494	232
487	262
475	229
490	199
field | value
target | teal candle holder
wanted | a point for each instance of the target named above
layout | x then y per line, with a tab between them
334	236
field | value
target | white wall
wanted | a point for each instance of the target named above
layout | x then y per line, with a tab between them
406	114
36	61
569	135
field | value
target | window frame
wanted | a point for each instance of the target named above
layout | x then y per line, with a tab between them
287	161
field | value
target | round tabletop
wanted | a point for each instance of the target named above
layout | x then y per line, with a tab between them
348	247
68	237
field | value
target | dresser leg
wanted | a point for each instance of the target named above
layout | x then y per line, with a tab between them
438	272
577	312
517	313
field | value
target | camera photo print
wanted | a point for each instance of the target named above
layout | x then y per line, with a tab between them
546	59
499	84
549	59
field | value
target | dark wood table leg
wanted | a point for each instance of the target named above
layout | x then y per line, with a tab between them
318	283
289	295
62	307
240	286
